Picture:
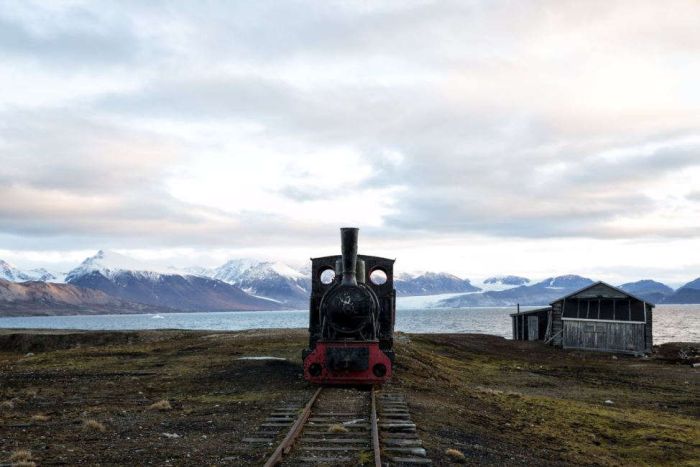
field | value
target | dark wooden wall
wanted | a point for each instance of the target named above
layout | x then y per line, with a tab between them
604	335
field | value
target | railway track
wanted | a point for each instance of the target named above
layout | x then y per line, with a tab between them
340	426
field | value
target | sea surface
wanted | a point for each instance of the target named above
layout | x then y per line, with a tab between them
672	323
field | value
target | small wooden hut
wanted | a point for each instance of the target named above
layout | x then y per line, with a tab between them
530	325
598	317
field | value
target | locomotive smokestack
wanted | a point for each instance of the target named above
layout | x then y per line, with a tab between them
348	239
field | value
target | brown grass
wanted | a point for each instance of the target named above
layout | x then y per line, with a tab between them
40	418
24	464
7	405
160	405
455	454
94	425
21	455
337	428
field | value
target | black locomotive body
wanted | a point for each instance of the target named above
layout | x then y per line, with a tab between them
351	319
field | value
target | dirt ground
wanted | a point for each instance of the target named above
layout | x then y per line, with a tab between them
91	398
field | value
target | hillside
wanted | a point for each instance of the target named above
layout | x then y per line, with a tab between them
689	293
273	280
648	290
186	293
500	402
46	299
126	279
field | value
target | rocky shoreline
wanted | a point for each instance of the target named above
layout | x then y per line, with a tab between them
98	398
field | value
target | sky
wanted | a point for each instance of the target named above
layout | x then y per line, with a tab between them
476	137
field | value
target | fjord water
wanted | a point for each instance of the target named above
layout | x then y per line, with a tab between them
672	323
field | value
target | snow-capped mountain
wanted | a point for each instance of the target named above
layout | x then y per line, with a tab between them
233	269
250	284
503	282
192	271
110	263
131	280
44	275
272	280
541	293
431	283
12	273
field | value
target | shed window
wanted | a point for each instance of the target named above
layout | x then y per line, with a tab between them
571	308
606	309
637	311
622	310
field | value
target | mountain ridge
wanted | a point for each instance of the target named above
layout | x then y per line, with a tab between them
431	283
540	293
251	284
36	298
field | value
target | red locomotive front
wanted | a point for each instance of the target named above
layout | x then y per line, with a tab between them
351	319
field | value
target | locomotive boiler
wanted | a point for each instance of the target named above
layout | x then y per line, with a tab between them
351	317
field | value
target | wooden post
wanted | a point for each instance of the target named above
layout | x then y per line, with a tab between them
588	308
629	309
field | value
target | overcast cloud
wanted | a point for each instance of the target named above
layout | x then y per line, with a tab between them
442	129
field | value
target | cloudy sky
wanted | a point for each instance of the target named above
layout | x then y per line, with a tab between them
475	137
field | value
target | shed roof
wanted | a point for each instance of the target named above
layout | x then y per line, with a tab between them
529	312
598	284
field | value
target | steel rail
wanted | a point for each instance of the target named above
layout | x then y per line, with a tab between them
288	442
375	433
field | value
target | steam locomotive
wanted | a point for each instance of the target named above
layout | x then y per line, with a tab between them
351	318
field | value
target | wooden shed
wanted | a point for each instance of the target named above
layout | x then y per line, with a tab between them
530	325
598	317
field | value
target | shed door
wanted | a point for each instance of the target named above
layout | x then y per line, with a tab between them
533	328
594	335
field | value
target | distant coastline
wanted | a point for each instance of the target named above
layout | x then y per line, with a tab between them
672	323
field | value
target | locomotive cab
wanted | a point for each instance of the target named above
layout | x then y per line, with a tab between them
351	318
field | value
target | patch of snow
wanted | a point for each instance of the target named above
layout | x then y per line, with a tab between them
286	271
232	270
498	283
264	298
497	287
423	301
12	273
354	422
111	265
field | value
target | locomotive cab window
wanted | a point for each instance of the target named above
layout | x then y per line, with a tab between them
378	277
327	276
